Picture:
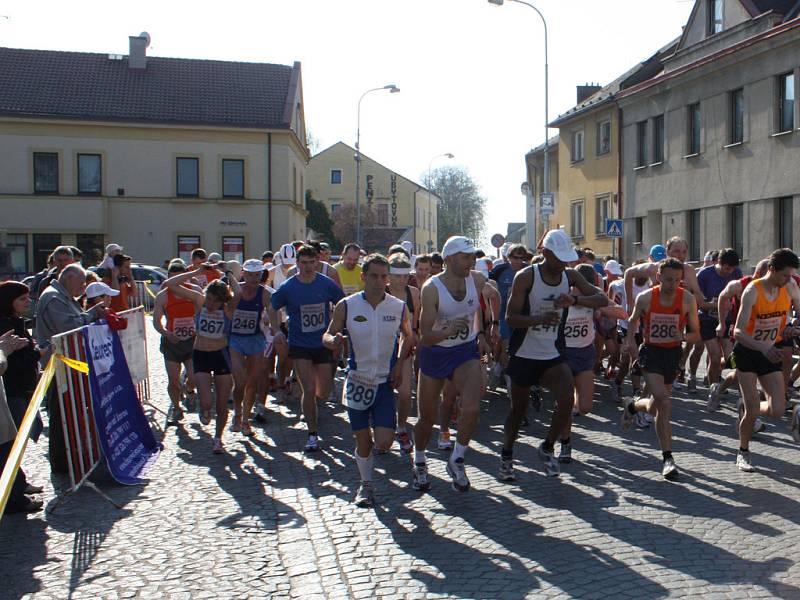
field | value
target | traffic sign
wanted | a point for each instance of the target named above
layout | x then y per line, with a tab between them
547	204
498	240
614	228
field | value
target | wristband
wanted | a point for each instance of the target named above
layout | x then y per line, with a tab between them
574	300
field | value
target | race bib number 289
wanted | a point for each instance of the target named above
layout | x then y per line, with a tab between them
359	391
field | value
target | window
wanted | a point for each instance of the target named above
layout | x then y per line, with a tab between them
694	235
233	247
18	244
785	222
336	176
294	184
785	102
693	129
43	245
335	206
188	177
641	144
382	215
232	178
715	16
89	173
737	228
601	214
187	243
658	139
576	219
577	146
45	172
603	137
736	133
639	226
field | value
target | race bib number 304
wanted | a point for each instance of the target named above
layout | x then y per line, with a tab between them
312	317
359	391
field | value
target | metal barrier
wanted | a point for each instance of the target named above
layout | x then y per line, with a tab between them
146	297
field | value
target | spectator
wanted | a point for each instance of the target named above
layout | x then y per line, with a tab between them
17	500
60	258
77	254
108	260
122	280
98	292
214	258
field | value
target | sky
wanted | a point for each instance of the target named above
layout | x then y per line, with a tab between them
471	74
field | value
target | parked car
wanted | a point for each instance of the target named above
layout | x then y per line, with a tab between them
146	275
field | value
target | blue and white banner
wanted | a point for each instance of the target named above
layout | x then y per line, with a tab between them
125	436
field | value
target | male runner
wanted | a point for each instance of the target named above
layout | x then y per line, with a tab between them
349	269
760	325
307	297
452	333
372	319
666	311
536	313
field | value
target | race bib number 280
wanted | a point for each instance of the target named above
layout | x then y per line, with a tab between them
359	391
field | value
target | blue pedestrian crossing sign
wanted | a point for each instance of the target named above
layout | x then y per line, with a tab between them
614	228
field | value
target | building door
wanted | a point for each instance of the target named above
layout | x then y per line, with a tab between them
43	246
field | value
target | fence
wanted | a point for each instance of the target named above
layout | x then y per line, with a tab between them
146	297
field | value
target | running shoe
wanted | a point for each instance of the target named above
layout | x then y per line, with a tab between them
421	481
627	416
795	424
565	453
713	397
216	446
247	430
640	420
536	398
190	401
743	461
691	385
444	441
312	444
455	468
669	470
205	417
551	467
759	425
364	496
507	469
404	440
174	415
236	423
261	414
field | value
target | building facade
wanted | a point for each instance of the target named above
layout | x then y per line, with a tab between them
711	148
159	155
399	208
534	168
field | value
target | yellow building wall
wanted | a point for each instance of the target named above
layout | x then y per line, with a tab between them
592	178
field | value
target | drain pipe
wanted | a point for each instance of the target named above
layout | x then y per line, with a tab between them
269	192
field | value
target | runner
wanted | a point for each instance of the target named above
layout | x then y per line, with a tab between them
422	271
177	339
210	356
452	334
535	312
373	320
437	264
349	269
247	343
284	260
202	274
307	298
616	291
399	269
760	325
322	265
666	311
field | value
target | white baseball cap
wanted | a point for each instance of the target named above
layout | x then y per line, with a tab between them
558	242
113	248
407	246
456	244
214	257
288	254
98	288
613	267
253	265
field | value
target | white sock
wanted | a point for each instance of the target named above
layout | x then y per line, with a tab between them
458	451
419	456
365	466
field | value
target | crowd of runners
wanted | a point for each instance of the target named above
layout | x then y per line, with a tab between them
443	327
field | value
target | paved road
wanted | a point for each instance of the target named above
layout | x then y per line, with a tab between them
265	521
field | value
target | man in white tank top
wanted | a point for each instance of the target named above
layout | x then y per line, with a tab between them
452	339
537	313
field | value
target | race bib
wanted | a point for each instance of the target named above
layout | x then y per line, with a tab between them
579	328
183	327
664	328
546	306
202	280
244	322
766	330
211	327
461	335
359	391
312	317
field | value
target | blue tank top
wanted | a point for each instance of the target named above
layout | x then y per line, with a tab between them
247	316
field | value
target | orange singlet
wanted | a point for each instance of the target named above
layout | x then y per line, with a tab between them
664	325
180	316
768	317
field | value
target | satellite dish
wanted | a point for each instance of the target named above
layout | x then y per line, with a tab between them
146	36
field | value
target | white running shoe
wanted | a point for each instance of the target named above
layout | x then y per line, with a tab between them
794	424
713	397
743	461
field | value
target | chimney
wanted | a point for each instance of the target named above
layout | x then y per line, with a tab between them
586	90
137	57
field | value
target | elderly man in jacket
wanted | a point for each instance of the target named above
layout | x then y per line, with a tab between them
58	312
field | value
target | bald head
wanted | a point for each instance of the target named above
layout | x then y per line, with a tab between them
73	279
761	268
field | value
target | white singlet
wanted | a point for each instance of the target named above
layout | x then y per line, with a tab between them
372	333
541	342
619	296
450	310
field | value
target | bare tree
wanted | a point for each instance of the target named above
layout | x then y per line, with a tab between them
461	206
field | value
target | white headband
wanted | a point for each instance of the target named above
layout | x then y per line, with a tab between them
399	270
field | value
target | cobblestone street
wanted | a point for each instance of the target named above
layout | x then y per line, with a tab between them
266	521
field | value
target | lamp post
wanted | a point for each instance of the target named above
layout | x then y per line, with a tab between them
430	183
529	225
393	89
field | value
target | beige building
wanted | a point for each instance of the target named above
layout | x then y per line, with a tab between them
401	209
160	155
534	168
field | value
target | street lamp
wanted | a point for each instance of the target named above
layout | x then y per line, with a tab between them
430	183
393	89
529	226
